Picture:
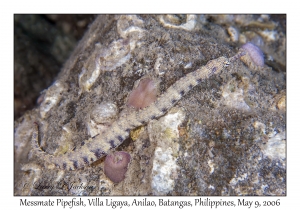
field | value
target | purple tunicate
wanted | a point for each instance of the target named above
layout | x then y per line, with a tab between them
255	53
115	165
143	95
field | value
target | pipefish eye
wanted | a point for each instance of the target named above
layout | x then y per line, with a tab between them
226	63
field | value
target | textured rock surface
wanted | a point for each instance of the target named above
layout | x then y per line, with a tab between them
229	137
42	43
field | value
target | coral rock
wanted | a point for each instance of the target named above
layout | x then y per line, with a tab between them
115	166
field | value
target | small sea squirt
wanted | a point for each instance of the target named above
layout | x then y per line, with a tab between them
115	166
254	57
143	95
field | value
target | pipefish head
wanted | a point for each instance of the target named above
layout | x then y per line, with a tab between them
218	64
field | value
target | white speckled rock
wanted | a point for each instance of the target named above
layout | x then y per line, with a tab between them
165	133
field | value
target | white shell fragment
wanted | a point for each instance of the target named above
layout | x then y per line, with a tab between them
189	25
52	97
101	117
113	56
234	34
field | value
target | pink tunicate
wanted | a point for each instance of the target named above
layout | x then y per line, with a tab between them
115	166
143	95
